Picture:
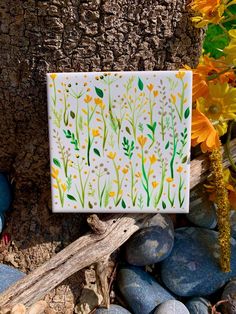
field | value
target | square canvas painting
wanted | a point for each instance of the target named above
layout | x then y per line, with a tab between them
120	141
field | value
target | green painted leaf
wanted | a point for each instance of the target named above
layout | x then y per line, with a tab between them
128	130
185	158
140	84
71	197
57	162
123	204
163	205
167	145
96	151
99	92
90	205
186	113
72	114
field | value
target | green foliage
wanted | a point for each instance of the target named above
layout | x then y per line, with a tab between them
123	204
215	41
187	113
96	151
140	84
99	92
71	197
71	136
56	162
128	147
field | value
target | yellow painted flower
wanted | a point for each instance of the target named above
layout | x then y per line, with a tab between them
84	111
179	169
154	184
220	105
173	99
99	102
53	76
203	132
63	185
95	132
87	99
125	170
111	155
153	159
150	87
138	175
180	75
169	179
55	173
55	186
155	93
142	140
112	194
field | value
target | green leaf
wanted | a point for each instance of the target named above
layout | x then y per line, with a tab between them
57	162
90	205
96	151
215	40
72	114
186	113
150	127
163	205
71	197
128	130
140	84
123	204
149	135
167	145
99	92
154	126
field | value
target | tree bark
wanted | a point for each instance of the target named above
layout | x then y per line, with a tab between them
69	35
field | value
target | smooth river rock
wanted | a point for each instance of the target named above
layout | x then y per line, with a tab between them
151	244
2	222
8	276
229	293
172	307
5	193
192	269
140	290
198	306
113	309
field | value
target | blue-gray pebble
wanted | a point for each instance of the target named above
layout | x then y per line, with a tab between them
5	193
113	309
2	222
172	307
192	269
229	293
198	306
151	244
202	211
233	223
8	276
140	290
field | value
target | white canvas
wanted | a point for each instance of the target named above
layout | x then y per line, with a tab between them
120	141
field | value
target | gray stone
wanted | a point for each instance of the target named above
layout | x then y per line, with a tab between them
8	276
198	306
5	193
140	290
229	294
2	222
113	309
172	307
192	269
151	244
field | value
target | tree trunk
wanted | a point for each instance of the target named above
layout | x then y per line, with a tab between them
69	35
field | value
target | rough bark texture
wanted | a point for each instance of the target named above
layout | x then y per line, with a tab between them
69	35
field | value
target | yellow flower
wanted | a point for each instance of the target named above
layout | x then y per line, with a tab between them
138	175
230	50
203	132
154	184
111	155
180	75
55	173
155	93
220	105
125	170
84	111
112	194
87	99
142	140
208	11
95	132
179	169
99	102
63	185
53	76
169	179
150	87
153	159
173	99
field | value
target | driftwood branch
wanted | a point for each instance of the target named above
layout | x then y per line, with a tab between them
89	249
